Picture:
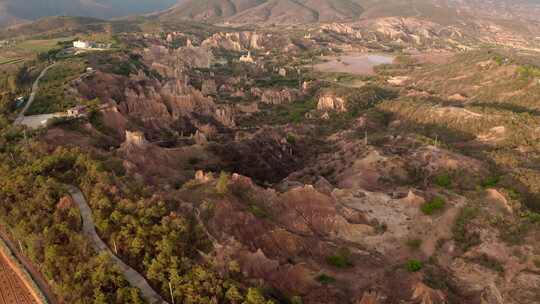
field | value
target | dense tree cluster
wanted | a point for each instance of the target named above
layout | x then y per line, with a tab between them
50	232
156	236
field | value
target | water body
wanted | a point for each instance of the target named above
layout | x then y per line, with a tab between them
360	64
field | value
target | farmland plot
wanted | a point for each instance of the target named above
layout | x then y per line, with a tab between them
12	289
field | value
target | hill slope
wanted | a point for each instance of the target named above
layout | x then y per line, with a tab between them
278	11
299	11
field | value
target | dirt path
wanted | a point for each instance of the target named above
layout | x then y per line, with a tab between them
133	277
35	88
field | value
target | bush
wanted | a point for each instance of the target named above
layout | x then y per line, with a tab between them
341	259
291	139
223	183
443	180
533	217
491	181
414	265
325	279
433	206
258	211
528	71
296	300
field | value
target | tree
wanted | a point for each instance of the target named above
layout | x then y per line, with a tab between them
223	183
254	296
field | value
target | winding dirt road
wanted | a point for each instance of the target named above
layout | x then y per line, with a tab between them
132	276
35	88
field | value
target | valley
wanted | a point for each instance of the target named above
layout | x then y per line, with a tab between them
295	152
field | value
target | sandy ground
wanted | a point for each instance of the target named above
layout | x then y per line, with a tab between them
360	64
37	121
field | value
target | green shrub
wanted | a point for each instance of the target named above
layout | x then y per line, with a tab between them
443	180
291	139
533	217
433	206
325	279
223	183
528	71
258	211
414	265
296	300
491	181
341	259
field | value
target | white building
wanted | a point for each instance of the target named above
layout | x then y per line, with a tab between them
81	44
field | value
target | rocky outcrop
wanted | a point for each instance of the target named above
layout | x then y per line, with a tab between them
341	28
200	138
225	115
277	97
135	138
209	87
498	200
202	177
331	103
425	295
238	41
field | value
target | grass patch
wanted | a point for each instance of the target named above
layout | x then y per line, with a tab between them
443	180
491	181
488	262
258	211
528	71
222	185
325	279
463	236
414	265
40	45
533	217
436	204
50	97
341	259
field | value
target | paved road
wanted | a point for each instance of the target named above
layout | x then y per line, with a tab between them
35	88
133	277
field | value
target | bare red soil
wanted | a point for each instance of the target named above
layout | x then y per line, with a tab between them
12	289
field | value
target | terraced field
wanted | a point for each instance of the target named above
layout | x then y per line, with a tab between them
12	288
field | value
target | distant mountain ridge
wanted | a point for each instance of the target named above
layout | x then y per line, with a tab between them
14	11
276	11
305	11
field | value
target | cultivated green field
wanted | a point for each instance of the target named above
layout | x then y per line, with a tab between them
38	46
